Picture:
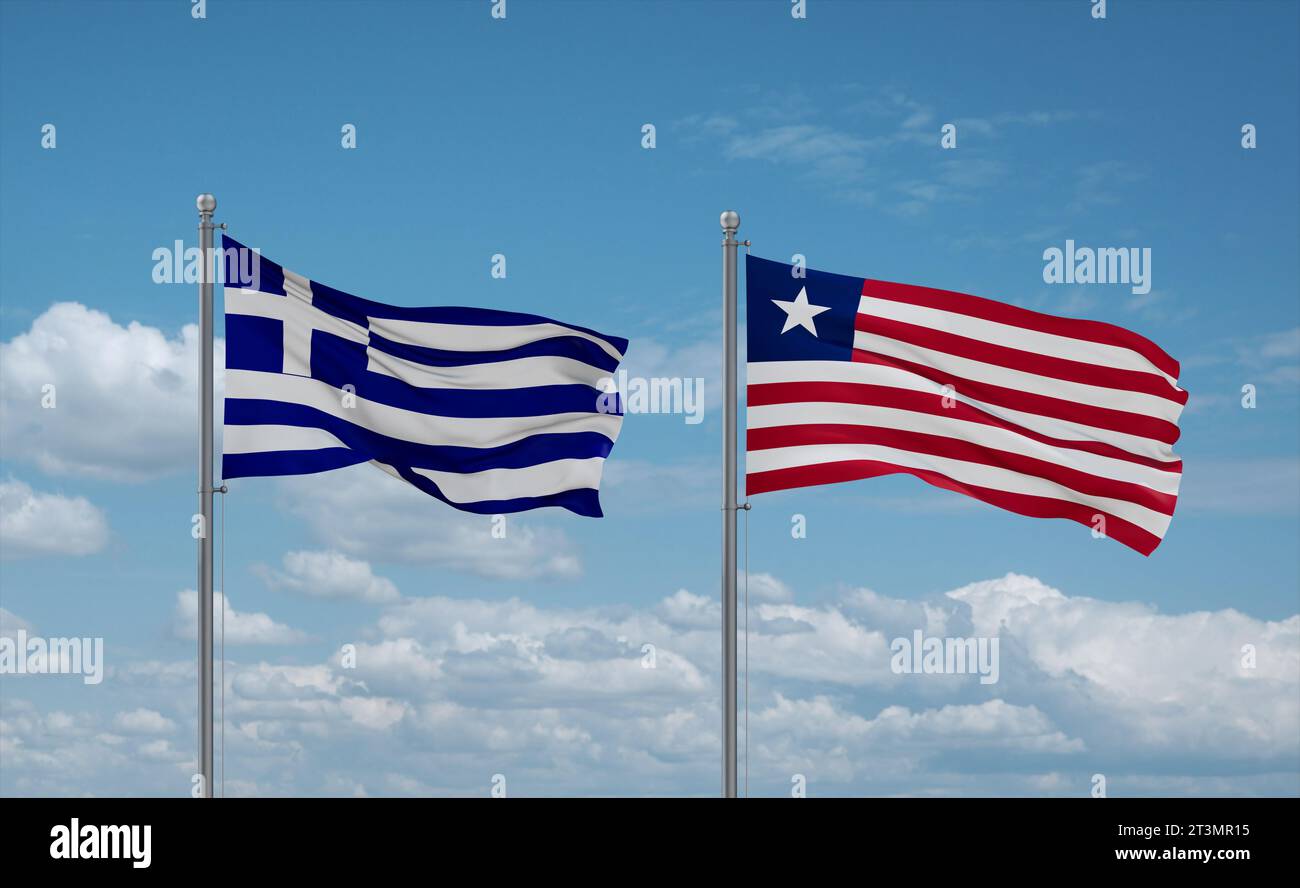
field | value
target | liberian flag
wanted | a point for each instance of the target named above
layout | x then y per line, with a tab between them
1044	416
489	411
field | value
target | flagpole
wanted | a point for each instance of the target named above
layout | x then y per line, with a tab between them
206	204
730	223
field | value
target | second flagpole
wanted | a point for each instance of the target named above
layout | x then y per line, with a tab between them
207	204
730	224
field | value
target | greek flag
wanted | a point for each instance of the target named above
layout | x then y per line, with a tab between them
489	411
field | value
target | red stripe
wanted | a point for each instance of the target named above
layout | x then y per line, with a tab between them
1138	424
989	310
931	403
1017	359
953	448
1022	504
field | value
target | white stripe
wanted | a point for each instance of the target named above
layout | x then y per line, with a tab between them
955	428
993	374
503	484
976	474
409	425
267	438
1011	336
468	337
542	370
764	372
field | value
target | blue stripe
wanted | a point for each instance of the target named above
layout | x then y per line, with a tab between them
288	462
341	362
529	451
574	347
581	501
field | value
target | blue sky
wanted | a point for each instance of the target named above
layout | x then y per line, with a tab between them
522	136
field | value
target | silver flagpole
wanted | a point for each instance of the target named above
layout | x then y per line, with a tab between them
730	223
206	204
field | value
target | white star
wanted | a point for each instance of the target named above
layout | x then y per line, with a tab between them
800	313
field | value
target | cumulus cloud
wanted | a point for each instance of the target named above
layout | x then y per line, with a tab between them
440	693
123	397
765	587
364	512
992	724
240	627
143	721
1164	682
686	610
328	574
33	523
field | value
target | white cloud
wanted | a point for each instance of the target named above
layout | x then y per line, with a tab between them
818	644
364	512
33	523
143	721
1163	682
328	574
261	696
448	691
687	610
765	587
992	724
161	750
124	396
240	628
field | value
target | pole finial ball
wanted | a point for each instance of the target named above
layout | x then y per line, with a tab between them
730	220
206	203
